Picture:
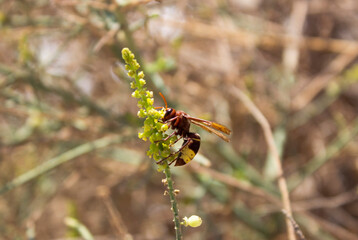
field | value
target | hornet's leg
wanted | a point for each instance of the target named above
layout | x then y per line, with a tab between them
166	137
172	154
176	141
172	119
189	141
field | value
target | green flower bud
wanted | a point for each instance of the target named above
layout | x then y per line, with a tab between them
158	136
142	82
136	64
141	113
150	101
141	74
131	73
152	112
164	127
149	94
142	136
142	103
193	221
136	94
148	122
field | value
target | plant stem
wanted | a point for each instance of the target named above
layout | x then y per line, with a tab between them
343	138
173	202
282	184
58	160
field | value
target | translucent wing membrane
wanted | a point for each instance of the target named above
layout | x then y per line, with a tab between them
213	130
210	124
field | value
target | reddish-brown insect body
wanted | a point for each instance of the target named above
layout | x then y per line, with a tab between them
180	122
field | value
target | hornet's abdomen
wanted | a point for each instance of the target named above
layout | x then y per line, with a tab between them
190	150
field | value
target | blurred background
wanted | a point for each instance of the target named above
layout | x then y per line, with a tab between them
68	126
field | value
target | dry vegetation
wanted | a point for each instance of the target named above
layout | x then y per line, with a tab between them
65	101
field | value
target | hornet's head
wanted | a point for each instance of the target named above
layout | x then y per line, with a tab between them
169	112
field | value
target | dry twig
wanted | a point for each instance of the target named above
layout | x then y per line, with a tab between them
231	181
297	228
334	229
266	40
321	81
291	52
273	149
116	219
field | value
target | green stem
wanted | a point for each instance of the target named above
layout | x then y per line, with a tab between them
343	138
80	228
60	159
173	202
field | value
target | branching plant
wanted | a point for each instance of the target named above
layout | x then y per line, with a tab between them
154	130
